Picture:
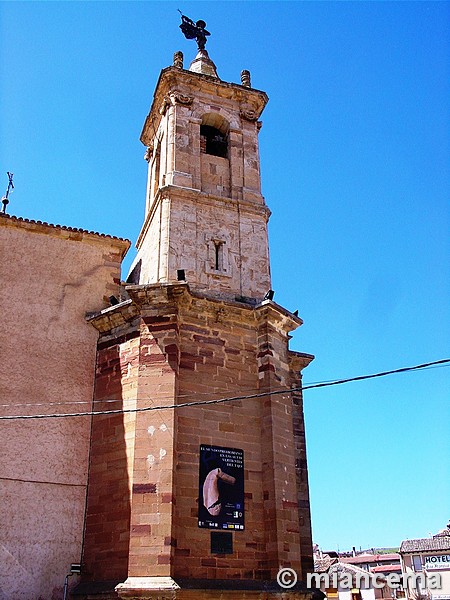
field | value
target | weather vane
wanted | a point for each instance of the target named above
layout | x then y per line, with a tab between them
5	200
193	30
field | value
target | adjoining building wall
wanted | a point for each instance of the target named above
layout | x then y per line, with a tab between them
432	563
426	564
50	277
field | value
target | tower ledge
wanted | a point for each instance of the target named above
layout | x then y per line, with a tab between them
165	296
255	206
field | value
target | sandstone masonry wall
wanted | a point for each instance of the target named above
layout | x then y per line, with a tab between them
181	348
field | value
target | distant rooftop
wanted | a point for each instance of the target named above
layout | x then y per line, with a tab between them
440	541
371	558
424	544
387	568
323	563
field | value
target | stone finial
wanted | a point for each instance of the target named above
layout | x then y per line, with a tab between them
245	78
204	65
178	60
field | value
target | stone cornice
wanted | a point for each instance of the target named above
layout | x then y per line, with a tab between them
168	297
280	317
299	360
182	194
155	295
113	317
174	81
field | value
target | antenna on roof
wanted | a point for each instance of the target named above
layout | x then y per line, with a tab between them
5	199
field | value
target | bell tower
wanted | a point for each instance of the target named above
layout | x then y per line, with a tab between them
205	217
198	484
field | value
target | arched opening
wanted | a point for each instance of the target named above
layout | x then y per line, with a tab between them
214	135
215	155
213	142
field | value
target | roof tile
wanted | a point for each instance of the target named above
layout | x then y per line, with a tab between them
15	219
426	544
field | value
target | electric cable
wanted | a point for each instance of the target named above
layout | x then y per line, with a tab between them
19	480
433	365
229	399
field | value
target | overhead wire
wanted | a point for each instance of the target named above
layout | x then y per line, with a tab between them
433	365
20	480
228	399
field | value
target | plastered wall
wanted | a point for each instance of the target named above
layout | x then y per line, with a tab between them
50	277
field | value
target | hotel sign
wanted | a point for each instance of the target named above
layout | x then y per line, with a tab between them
436	562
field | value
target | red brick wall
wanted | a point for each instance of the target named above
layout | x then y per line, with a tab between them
218	359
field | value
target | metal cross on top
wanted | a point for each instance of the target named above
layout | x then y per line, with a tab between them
193	30
5	200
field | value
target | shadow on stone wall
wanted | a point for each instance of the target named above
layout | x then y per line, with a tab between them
107	525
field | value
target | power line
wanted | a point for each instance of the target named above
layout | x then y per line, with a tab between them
229	399
382	374
434	365
15	479
108	400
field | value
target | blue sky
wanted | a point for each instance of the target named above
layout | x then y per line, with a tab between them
355	160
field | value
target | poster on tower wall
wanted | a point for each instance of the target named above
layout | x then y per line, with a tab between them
221	493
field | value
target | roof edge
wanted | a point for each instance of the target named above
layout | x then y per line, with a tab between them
34	225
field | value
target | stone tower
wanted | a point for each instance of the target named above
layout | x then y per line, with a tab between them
188	498
204	211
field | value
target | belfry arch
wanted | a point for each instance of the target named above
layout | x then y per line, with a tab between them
214	155
214	135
